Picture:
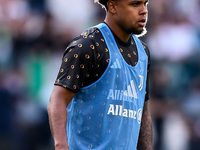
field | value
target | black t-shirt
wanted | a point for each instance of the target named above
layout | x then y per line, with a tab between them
87	57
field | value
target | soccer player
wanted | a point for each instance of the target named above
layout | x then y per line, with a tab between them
103	83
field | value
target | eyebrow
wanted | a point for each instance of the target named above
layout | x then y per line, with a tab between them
139	1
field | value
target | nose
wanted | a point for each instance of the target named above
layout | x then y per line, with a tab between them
144	10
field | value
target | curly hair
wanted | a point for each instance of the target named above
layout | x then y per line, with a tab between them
103	3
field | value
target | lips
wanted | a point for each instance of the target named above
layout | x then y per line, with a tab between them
142	22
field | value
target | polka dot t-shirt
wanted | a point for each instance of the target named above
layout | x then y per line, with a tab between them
87	57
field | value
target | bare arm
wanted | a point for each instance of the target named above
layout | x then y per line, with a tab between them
145	141
59	99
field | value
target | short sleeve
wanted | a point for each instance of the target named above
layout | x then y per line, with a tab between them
77	64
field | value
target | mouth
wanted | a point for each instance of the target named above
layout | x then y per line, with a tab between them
142	22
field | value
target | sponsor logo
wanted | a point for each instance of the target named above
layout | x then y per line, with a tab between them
131	91
116	64
118	95
127	94
119	110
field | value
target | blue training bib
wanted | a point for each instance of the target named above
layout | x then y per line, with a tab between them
106	115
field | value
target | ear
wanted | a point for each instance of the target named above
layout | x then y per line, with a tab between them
111	6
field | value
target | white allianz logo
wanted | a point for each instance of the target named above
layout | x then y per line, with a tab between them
131	90
116	64
119	110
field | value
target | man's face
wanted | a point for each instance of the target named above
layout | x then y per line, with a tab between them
131	15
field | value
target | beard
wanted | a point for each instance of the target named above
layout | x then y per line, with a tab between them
137	32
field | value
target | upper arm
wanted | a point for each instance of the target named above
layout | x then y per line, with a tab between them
76	64
146	108
84	61
148	68
61	95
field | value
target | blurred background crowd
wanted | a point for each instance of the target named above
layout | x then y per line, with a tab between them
33	37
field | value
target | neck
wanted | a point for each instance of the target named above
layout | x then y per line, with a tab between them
120	32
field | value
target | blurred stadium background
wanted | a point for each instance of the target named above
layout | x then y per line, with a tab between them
33	37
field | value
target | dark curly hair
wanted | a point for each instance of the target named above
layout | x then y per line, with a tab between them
103	3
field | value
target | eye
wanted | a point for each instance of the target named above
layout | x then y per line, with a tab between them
146	3
135	3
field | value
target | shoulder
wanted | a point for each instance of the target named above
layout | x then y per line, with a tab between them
146	48
88	40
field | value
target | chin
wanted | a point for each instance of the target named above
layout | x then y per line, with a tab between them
142	33
137	32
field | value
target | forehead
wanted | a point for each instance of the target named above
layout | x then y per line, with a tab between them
132	0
